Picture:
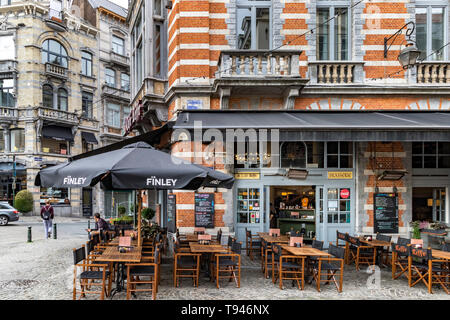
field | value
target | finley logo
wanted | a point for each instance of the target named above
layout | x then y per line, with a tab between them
153	181
74	180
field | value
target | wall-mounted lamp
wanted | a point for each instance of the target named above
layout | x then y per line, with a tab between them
409	55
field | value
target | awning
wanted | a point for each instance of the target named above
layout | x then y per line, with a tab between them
151	137
327	125
57	132
89	137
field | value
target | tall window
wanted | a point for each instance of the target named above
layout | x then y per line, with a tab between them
431	35
62	99
17	140
333	36
86	63
7	47
126	113
5	2
113	114
54	52
86	104
157	7
254	25
157	49
7	93
124	81
110	77
139	65
118	45
47	96
137	55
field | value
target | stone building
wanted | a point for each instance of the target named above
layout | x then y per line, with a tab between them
363	144
53	92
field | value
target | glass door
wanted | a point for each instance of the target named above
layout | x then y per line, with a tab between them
249	211
439	204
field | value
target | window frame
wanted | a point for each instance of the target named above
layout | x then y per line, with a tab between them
61	97
58	55
85	102
253	5
122	87
86	64
107	76
116	112
11	133
118	45
423	155
429	5
8	92
332	5
52	96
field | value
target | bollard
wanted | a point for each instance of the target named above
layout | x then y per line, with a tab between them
89	224
29	234
54	231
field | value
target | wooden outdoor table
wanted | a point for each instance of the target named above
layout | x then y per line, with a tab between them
281	239
115	242
207	250
305	251
112	254
376	243
444	255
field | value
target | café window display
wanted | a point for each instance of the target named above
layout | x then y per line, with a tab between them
339	205
55	195
248	205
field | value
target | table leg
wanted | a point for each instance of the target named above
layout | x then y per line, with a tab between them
120	278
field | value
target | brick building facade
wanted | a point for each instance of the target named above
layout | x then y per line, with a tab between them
312	57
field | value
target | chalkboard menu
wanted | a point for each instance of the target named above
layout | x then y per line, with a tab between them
385	212
204	210
171	212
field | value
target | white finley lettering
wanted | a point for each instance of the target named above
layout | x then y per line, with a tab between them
153	181
74	180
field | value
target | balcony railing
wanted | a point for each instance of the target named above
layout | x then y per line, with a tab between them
55	70
119	93
433	72
57	115
7	113
121	59
245	63
336	72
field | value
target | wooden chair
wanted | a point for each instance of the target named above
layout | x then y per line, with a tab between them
316	244
423	268
147	270
89	275
218	237
266	257
342	241
228	265
288	267
252	243
185	265
330	267
403	241
399	260
361	254
385	254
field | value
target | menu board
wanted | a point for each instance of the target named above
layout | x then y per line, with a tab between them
204	210
385	212
171	212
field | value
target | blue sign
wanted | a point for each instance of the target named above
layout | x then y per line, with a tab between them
194	104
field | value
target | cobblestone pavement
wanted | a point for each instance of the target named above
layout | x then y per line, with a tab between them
43	270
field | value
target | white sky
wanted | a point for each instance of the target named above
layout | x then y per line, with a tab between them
123	3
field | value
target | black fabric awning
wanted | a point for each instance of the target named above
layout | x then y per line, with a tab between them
151	137
89	137
57	132
328	125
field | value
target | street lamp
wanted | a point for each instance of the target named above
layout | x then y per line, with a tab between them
409	55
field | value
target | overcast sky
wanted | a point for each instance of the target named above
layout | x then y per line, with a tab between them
123	3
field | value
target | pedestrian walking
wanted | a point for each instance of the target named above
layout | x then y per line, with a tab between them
47	216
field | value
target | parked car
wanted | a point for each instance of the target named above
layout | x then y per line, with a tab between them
7	213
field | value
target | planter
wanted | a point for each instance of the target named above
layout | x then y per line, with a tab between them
432	240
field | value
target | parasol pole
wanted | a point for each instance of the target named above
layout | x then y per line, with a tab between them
139	216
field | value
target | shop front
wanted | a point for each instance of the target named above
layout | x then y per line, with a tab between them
316	206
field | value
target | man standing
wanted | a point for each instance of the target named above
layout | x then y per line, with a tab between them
47	216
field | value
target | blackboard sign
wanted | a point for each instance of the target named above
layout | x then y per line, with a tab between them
204	210
385	212
171	212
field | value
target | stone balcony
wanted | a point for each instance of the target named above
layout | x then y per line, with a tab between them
107	90
8	114
336	72
7	68
119	59
55	70
55	115
433	72
276	74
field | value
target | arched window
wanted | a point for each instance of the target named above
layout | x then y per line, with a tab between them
54	52
293	155
62	99
47	96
